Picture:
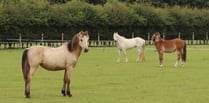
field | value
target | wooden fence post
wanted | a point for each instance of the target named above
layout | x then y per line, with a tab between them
132	34
42	38
192	38
148	37
206	38
179	36
98	39
62	37
20	39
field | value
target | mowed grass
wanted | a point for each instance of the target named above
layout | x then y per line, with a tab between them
98	78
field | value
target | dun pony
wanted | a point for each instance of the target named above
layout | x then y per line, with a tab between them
64	57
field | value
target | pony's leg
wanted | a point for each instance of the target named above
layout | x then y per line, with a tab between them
139	57
119	54
27	87
183	63
143	49
68	82
140	50
66	85
178	57
142	58
161	58
125	55
176	64
28	80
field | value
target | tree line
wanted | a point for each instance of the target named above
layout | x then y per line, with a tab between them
31	18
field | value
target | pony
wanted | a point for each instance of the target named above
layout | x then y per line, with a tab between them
64	57
169	46
124	43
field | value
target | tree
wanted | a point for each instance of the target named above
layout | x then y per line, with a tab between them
96	2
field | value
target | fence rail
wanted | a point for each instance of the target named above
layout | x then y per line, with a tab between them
19	42
15	44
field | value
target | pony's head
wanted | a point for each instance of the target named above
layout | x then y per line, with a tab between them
79	40
115	36
83	40
156	37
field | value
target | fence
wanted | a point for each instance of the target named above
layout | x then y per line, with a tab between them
92	43
14	44
24	43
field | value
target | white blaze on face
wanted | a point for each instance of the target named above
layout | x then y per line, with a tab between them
83	42
157	39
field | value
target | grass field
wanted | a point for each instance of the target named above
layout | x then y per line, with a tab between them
98	78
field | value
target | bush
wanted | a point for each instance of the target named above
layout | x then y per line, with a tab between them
31	18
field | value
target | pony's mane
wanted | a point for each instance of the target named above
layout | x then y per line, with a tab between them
117	35
73	44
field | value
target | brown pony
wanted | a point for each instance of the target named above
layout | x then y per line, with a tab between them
64	57
169	46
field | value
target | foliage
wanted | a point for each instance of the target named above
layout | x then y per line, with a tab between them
31	18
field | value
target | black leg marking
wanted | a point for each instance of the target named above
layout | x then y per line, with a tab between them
69	94
27	94
63	92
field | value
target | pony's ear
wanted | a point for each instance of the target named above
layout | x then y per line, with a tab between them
81	32
87	33
159	33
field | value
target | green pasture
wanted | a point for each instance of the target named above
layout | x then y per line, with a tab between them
98	78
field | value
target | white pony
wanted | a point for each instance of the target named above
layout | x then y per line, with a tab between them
124	43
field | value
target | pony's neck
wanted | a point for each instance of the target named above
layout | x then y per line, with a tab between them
74	48
157	42
77	51
119	37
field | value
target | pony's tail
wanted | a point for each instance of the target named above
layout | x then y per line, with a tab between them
25	64
184	53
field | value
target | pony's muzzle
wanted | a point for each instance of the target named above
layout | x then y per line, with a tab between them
86	50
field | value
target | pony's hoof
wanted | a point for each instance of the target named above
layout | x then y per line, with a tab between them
175	65
183	64
28	96
161	65
69	94
63	92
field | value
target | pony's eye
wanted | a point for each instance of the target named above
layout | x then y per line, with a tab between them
81	40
